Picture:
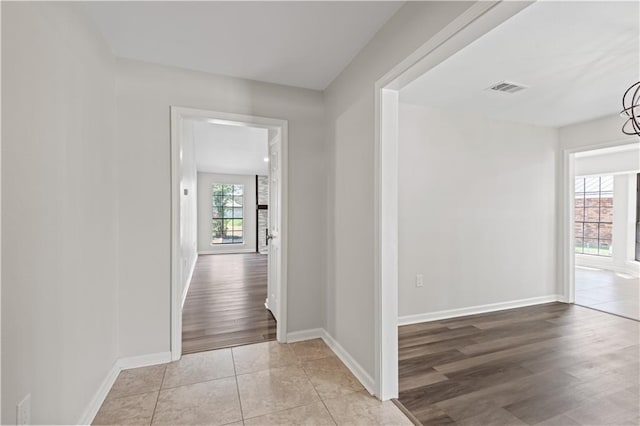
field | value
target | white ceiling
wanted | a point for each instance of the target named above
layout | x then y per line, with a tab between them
304	44
577	58
233	150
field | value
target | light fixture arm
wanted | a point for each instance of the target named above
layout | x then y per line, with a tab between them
631	110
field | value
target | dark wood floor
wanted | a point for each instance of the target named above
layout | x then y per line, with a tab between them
548	364
225	303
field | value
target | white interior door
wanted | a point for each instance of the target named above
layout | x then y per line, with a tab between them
275	221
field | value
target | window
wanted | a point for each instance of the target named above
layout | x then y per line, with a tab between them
227	219
594	215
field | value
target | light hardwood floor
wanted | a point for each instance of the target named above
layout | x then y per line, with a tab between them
224	306
552	364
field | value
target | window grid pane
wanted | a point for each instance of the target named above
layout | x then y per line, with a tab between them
593	215
227	215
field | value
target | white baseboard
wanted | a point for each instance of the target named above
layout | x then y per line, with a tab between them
320	333
100	395
472	310
299	336
365	379
144	360
188	284
630	267
120	364
228	251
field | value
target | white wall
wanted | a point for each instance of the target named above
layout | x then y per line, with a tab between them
587	135
350	115
59	223
476	210
205	181
608	163
144	95
188	206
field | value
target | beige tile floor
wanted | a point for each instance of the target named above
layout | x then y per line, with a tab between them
267	383
608	291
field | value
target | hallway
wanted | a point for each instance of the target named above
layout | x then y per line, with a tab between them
224	306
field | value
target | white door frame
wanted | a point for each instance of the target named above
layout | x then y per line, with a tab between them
567	194
476	21
273	125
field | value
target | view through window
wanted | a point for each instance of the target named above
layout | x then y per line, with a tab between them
594	215
227	214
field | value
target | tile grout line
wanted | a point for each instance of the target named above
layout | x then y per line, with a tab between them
297	365
155	407
317	393
235	376
129	395
196	383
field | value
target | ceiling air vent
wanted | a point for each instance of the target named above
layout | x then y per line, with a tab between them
507	87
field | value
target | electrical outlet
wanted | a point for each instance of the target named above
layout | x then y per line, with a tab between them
23	411
419	280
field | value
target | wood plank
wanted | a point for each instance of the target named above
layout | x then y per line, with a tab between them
519	366
224	306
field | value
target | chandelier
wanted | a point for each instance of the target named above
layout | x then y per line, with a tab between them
631	105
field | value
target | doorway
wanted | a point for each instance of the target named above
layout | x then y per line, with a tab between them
606	276
479	19
217	250
430	57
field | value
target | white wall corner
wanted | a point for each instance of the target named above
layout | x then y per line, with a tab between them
121	364
101	394
479	309
320	333
360	373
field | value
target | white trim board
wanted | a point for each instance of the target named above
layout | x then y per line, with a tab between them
479	309
320	333
356	369
186	287
101	394
629	267
144	360
90	412
299	336
227	251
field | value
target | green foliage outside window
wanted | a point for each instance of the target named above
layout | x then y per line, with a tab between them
227	214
